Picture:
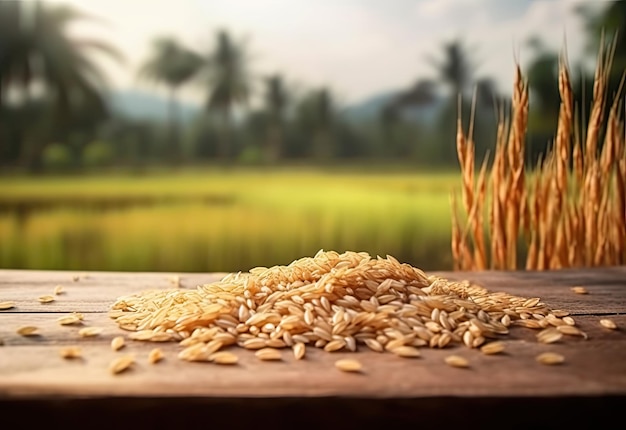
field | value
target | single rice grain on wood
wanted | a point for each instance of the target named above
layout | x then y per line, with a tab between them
349	365
90	331
28	330
71	352
117	343
492	348
6	305
607	323
155	355
120	364
70	319
46	299
550	358
456	361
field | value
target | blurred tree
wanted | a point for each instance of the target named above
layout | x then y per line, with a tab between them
608	21
276	100
455	69
542	75
36	51
316	118
230	84
174	65
424	92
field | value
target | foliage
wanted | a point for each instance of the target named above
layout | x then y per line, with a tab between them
234	218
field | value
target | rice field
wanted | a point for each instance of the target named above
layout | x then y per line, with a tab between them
221	219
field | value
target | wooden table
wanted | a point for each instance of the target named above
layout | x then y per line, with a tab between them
507	391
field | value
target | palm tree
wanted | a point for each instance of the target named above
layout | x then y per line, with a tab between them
316	114
609	22
229	83
276	99
174	65
456	69
43	52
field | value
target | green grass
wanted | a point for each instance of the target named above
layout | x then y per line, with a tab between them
264	218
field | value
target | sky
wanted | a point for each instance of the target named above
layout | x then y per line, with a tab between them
358	48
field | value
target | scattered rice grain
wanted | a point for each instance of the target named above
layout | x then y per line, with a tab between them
155	355
456	361
268	354
607	323
46	299
349	365
6	305
71	352
550	358
117	343
120	364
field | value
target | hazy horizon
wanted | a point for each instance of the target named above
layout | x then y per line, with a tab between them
357	48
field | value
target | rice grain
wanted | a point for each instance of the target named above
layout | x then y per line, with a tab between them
46	299
349	365
120	364
223	357
550	358
117	343
70	352
456	361
155	355
6	305
90	331
268	354
27	330
607	323
492	348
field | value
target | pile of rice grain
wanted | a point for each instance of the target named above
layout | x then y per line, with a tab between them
331	301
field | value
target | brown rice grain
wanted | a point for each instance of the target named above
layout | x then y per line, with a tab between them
349	365
269	354
224	357
120	364
406	352
456	361
550	358
27	330
70	352
46	299
90	331
492	348
6	305
580	290
299	350
155	355
607	323
117	343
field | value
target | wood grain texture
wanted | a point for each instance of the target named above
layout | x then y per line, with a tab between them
31	367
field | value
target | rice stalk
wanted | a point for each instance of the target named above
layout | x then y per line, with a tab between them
570	208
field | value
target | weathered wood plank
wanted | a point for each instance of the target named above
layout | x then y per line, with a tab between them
32	367
92	292
95	291
607	287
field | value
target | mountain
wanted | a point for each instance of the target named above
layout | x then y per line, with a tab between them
369	108
146	106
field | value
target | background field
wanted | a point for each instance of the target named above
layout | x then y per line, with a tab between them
221	219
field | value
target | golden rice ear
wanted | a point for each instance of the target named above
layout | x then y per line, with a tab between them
570	209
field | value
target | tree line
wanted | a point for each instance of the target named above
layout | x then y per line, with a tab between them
54	110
